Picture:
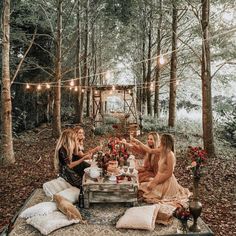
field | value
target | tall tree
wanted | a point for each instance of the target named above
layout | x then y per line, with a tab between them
78	66
85	61
173	68
158	68
7	154
56	123
149	64
207	123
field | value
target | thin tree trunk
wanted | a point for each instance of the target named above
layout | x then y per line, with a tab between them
208	137
143	90
78	69
7	154
85	66
173	69
148	94
158	69
56	124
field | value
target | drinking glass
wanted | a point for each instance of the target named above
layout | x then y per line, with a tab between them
131	170
125	168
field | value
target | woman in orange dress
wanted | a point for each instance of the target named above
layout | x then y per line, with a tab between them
164	186
150	164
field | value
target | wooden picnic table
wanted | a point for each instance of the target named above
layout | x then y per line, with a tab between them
109	191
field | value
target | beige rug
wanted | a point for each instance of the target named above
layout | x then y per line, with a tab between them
96	227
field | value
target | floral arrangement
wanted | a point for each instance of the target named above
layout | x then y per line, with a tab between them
116	148
198	157
182	214
115	151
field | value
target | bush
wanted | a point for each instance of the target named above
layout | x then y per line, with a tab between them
103	129
109	120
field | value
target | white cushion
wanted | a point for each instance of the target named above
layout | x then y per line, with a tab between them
139	218
42	208
71	194
47	224
55	186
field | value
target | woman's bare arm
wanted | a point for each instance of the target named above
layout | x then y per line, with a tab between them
145	147
75	163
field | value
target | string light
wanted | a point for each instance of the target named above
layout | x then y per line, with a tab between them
70	87
152	86
39	87
48	86
161	59
129	91
27	86
110	92
72	83
82	90
177	82
108	73
76	88
113	88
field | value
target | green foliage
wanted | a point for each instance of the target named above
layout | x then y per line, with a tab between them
110	120
103	129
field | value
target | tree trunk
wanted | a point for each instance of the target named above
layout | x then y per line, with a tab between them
143	84
158	69
207	123
56	124
173	69
85	66
78	69
149	69
7	154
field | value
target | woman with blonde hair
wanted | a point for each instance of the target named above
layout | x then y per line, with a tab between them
66	160
79	131
150	165
164	186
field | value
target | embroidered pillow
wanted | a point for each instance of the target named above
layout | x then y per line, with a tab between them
71	194
139	218
165	213
42	208
54	186
53	221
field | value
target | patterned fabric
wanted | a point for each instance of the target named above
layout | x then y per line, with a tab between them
101	222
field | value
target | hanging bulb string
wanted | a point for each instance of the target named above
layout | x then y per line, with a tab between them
131	64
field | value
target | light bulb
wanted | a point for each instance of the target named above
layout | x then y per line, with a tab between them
39	87
76	89
48	86
72	83
161	59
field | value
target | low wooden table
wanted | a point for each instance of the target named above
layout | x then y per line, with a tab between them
109	191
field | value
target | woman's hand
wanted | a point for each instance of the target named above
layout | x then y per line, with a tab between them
136	141
151	185
98	148
87	157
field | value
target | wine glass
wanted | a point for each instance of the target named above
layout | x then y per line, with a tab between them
125	168
131	170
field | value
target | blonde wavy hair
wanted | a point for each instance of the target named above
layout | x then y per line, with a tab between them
156	138
67	140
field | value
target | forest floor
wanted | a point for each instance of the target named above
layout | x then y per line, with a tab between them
34	151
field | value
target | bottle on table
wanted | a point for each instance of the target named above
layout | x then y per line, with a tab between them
81	198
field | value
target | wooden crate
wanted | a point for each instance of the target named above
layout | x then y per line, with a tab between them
108	191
